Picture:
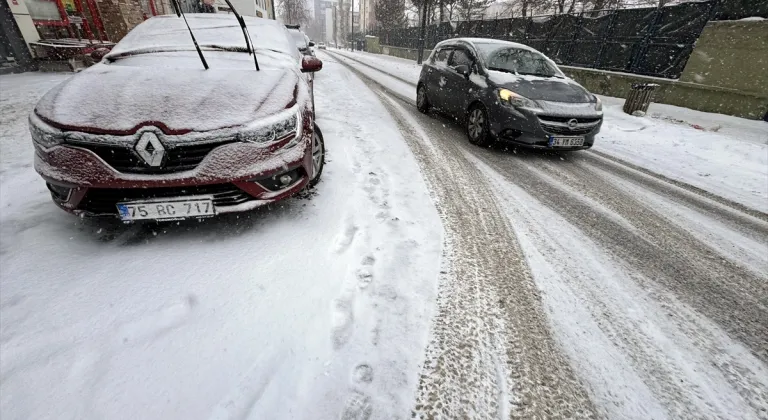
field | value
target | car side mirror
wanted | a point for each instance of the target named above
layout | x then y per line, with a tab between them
463	70
310	64
311	44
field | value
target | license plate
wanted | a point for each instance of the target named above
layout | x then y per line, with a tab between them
166	209
565	141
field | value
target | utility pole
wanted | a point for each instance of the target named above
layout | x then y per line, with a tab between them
422	31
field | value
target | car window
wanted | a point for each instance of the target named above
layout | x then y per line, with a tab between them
459	57
441	57
517	60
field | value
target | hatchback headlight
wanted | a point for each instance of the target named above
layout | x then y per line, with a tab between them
42	134
513	99
288	127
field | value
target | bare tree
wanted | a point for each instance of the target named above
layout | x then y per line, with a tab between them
471	9
294	12
390	13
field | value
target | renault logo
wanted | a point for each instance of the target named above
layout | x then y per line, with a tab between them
572	123
150	149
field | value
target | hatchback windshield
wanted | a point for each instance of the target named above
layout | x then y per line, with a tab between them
517	60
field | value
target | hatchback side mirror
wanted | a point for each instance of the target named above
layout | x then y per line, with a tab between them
463	70
310	64
311	44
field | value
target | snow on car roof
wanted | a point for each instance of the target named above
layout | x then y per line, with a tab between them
474	41
168	33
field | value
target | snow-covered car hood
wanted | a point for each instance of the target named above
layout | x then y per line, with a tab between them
553	89
115	99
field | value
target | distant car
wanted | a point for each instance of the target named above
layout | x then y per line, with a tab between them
147	133
508	92
321	45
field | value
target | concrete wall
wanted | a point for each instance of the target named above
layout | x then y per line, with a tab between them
689	95
408	53
731	54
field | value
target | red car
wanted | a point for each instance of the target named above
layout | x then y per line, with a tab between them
160	130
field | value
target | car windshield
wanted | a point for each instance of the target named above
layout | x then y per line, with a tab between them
168	33
517	60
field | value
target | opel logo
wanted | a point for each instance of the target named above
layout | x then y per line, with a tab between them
572	123
150	149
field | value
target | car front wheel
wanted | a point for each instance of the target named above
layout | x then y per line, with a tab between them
478	127
318	157
422	102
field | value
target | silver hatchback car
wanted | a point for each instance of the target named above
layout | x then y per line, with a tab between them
508	92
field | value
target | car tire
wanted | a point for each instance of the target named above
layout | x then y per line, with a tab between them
318	157
422	101
478	126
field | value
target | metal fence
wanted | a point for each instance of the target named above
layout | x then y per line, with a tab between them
648	41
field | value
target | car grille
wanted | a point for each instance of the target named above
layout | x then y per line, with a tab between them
177	158
104	200
559	125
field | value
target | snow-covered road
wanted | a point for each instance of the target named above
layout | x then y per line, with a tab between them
655	295
313	308
423	275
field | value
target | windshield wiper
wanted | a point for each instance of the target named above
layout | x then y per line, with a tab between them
522	72
180	13
248	42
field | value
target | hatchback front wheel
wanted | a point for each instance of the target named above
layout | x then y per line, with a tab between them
422	102
478	129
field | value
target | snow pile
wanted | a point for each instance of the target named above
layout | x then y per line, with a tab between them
725	155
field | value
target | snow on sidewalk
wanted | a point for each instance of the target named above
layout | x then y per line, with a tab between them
725	155
311	308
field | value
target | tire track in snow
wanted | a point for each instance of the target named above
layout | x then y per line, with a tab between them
724	291
489	311
492	353
646	354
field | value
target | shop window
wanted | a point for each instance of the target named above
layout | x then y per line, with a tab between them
43	10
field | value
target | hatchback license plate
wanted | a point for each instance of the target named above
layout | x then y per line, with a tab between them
565	141
166	209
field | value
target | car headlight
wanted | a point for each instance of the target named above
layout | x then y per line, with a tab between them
43	134
598	104
513	99
288	127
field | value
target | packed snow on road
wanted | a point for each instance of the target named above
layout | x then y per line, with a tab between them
422	277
